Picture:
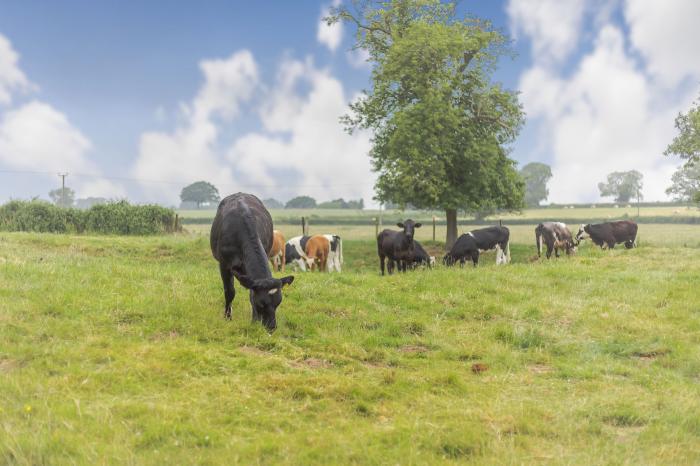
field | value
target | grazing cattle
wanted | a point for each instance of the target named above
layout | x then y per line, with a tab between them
421	257
397	246
295	253
609	233
556	236
335	255
470	245
317	250
241	239
278	251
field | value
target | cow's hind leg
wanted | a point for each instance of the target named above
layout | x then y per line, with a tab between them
229	291
475	258
381	263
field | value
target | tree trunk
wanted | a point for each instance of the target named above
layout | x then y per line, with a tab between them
451	215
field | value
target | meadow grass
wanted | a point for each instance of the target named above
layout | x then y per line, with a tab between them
114	351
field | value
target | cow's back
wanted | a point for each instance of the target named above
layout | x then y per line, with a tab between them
233	215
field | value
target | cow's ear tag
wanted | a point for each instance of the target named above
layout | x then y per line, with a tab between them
272	291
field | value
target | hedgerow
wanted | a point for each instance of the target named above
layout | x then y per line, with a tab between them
119	218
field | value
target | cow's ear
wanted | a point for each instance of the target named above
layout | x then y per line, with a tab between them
400	225
246	281
418	225
287	280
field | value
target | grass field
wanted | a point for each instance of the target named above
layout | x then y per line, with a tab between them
113	350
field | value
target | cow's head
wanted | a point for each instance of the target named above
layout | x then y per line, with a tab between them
582	233
409	228
265	296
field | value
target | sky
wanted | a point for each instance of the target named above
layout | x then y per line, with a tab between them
138	99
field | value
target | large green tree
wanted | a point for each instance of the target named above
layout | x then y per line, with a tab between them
62	197
200	192
686	183
301	202
536	176
622	185
440	126
686	144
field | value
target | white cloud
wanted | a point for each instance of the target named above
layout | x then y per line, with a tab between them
358	58
12	79
553	26
38	137
667	35
329	35
604	114
305	140
101	188
189	152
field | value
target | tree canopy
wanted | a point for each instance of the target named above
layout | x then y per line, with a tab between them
440	126
200	193
622	185
342	204
62	198
686	183
272	203
301	202
686	144
536	176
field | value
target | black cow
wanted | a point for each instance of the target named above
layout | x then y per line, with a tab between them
609	233
397	246
556	236
421	257
241	238
470	245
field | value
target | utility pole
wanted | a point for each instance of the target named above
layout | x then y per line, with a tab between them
63	188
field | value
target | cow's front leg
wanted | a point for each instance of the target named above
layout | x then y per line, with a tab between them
475	258
229	291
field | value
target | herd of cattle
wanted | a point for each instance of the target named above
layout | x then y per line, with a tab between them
243	241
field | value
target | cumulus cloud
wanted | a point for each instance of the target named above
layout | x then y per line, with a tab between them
329	35
304	140
553	26
12	79
358	58
667	35
605	113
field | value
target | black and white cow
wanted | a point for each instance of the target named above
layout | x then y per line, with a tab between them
241	239
421	257
335	255
470	245
556	236
397	246
609	233
295	253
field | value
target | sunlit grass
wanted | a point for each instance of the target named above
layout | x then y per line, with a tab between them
114	350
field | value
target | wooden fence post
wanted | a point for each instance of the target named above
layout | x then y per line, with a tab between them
177	222
303	226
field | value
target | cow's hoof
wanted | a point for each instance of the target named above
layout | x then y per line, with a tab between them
227	314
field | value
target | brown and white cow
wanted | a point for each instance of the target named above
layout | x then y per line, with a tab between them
556	236
277	252
317	249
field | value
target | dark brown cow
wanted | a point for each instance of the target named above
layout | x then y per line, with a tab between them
609	233
397	246
556	236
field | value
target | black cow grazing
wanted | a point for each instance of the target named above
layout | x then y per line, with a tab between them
470	245
397	246
241	238
556	236
421	257
609	233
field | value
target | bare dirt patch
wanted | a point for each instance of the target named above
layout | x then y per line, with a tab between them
479	367
311	363
539	369
650	355
252	350
412	349
8	365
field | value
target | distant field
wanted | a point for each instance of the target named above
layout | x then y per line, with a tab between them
113	350
337	216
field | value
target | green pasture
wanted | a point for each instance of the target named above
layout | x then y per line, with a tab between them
113	350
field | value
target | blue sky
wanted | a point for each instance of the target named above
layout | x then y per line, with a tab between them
247	95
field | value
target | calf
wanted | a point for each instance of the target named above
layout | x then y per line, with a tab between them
421	257
317	249
295	253
278	252
397	246
470	245
241	240
609	233
556	236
